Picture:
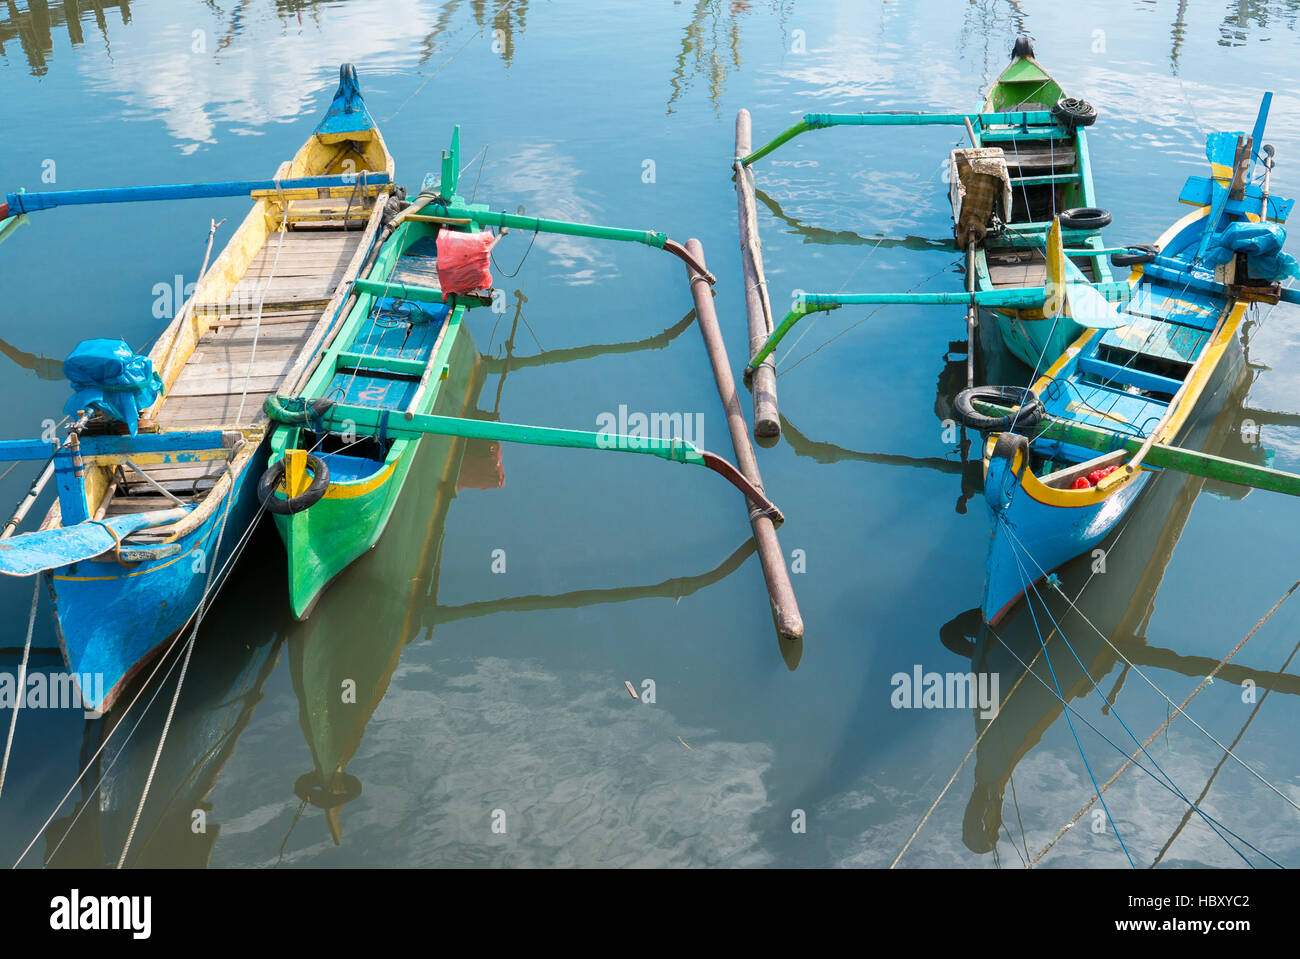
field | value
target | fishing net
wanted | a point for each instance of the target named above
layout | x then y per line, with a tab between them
464	261
979	183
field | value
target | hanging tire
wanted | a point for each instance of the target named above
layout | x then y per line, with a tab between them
1029	416
309	789
282	506
1085	218
1135	255
1072	112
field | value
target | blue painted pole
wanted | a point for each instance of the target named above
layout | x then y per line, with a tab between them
17	203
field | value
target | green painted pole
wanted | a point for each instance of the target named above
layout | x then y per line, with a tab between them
514	221
782	138
540	225
1021	298
1193	463
401	291
367	419
897	118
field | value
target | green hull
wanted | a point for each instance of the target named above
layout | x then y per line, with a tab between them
389	354
1032	338
323	541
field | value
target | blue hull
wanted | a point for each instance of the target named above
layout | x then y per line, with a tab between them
111	620
1030	539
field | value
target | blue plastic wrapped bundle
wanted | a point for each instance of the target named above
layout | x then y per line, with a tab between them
108	377
1262	244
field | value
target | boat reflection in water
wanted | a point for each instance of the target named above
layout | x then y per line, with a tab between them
1119	606
179	825
341	665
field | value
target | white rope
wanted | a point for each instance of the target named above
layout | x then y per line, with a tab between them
22	683
261	301
222	580
180	681
1179	709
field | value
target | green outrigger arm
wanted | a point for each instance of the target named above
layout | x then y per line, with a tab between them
443	203
899	118
1175	458
361	418
1022	298
481	215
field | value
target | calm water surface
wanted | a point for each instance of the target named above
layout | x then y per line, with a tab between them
479	691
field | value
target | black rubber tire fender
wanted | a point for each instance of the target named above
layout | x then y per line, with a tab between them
309	789
1135	255
1030	415
281	506
1074	112
1086	218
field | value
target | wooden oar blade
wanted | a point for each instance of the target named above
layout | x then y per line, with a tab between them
43	550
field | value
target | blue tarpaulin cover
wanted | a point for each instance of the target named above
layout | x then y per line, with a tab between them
1262	244
108	377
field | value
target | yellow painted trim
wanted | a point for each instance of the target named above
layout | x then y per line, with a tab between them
355	488
158	459
1213	355
295	473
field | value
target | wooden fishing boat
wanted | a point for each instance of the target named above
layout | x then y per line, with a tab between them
1048	175
153	511
1027	168
392	355
1123	391
344	444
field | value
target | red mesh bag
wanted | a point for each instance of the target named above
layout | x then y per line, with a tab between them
464	261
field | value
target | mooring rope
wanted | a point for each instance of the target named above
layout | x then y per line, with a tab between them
1223	759
1114	708
1119	749
221	580
1205	682
261	302
22	681
1167	699
236	552
980	738
1073	732
189	646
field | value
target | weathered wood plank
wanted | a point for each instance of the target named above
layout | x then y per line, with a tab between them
189	411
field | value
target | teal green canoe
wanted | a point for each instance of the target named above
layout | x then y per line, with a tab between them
336	488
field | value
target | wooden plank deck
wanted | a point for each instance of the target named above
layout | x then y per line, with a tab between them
209	390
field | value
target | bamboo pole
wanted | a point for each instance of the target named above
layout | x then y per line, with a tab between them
20	511
785	609
972	315
762	379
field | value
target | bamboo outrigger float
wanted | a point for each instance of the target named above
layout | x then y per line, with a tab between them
345	442
1121	367
157	474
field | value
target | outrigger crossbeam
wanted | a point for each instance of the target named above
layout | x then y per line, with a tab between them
1025	297
899	118
339	417
1159	455
438	203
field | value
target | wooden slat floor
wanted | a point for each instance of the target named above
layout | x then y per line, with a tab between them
209	391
